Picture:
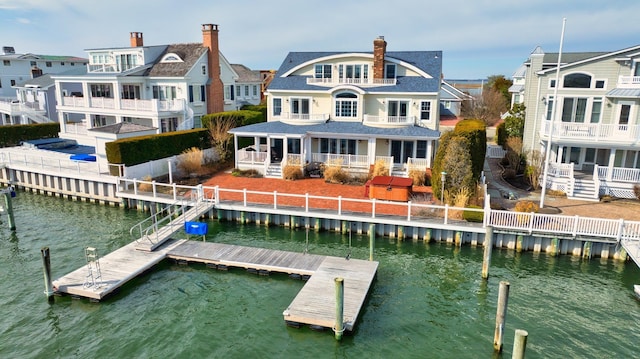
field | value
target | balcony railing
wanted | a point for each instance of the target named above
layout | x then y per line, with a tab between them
110	67
303	117
330	81
348	161
591	132
619	174
628	81
152	105
390	121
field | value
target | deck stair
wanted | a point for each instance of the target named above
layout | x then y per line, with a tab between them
585	189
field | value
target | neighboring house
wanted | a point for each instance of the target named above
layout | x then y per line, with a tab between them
517	88
451	100
248	87
36	101
468	86
15	70
594	130
354	108
159	89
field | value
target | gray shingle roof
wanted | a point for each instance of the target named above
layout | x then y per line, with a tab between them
43	81
190	53
331	128
427	61
245	74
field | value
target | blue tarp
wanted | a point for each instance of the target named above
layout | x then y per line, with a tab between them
196	228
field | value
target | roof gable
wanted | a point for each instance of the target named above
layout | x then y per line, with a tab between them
188	53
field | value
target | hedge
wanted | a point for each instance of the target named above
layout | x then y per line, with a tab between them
12	135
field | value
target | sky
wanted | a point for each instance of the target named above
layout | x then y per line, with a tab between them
479	38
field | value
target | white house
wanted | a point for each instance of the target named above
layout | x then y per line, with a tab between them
248	86
17	69
352	107
594	130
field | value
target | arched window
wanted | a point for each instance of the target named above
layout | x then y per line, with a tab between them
582	81
346	105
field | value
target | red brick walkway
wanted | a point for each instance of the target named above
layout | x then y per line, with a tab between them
312	186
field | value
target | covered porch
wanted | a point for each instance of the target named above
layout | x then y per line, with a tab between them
269	147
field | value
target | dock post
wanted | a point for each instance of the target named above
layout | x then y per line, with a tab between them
501	315
343	227
372	239
316	226
457	239
267	219
586	250
486	257
401	233
519	344
243	217
519	242
9	207
427	235
339	327
46	262
555	247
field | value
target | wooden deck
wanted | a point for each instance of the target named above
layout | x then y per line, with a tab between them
315	303
116	268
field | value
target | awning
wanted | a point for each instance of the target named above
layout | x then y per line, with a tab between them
516	88
624	93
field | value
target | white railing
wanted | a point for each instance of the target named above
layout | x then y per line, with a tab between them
591	131
252	157
389	120
330	81
421	163
50	163
75	128
619	174
303	116
293	159
422	214
561	170
629	80
152	105
349	161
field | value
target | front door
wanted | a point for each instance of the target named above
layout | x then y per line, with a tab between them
277	150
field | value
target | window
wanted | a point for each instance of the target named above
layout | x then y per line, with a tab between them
6	62
623	120
346	105
390	71
552	83
397	110
33	64
73	64
582	81
549	108
358	73
255	90
99	121
169	124
62	64
204	69
131	92
127	61
574	109
293	145
238	90
227	92
47	63
338	146
277	106
300	108
101	90
600	84
425	110
196	93
127	119
13	82
246	91
401	150
164	92
421	149
323	71
596	110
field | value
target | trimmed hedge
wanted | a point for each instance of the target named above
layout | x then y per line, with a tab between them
241	117
475	131
135	150
12	135
501	134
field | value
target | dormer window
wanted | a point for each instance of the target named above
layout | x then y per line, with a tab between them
355	74
171	57
323	71
390	71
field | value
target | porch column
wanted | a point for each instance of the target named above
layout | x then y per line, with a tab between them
86	94
307	150
430	146
116	97
235	150
371	151
612	161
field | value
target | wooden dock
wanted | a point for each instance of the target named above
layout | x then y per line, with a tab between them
315	303
116	269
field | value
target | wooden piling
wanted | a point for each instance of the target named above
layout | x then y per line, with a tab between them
46	264
486	257
519	243
372	239
339	327
457	238
501	315
519	344
9	207
586	250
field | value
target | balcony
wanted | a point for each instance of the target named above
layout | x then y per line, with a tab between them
628	81
105	68
591	132
147	106
302	118
329	82
389	121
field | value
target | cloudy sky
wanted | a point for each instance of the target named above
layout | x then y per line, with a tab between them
479	38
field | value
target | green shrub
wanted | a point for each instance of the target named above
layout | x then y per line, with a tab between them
12	135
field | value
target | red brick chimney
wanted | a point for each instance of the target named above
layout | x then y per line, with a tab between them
136	39
215	89
379	49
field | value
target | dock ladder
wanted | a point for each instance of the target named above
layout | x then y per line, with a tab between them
94	276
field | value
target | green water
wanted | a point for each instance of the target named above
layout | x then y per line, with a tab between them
428	300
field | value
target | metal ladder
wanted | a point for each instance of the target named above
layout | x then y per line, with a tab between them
94	277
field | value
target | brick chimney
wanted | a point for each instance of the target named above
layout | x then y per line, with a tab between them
215	89
379	50
136	39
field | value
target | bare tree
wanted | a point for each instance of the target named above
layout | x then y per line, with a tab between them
534	168
220	137
486	107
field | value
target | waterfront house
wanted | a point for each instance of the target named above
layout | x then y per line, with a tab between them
595	128
354	108
16	71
